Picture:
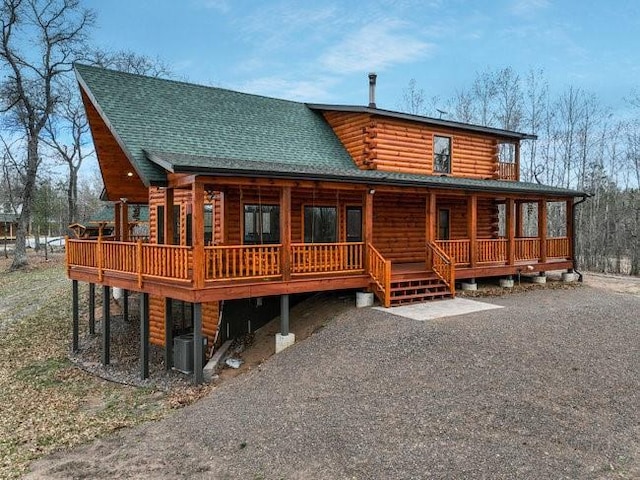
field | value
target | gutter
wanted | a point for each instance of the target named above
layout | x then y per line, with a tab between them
573	237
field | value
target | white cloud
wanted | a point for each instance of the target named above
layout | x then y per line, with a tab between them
221	6
316	90
374	47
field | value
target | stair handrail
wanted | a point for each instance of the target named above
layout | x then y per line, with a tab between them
442	265
380	272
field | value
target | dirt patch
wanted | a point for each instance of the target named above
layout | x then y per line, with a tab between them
614	283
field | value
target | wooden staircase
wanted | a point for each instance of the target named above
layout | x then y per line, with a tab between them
407	288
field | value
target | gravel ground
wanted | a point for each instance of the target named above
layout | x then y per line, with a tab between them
547	387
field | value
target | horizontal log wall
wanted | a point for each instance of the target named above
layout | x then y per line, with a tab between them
353	129
210	311
399	227
487	222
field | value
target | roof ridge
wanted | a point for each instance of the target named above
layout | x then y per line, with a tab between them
179	82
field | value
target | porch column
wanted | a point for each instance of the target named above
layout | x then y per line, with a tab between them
431	217
168	216
368	224
106	325
197	343
117	215
92	309
511	231
472	228
168	333
285	232
542	229
570	233
144	335
197	236
124	218
517	159
75	314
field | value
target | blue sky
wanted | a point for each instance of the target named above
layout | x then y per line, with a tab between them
322	50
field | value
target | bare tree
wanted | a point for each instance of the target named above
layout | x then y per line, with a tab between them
127	61
40	40
484	93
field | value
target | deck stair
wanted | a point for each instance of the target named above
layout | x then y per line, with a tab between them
415	287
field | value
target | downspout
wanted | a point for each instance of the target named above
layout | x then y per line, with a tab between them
573	237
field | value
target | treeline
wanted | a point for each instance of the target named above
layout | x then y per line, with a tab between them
581	144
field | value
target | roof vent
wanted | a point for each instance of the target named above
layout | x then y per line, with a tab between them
372	90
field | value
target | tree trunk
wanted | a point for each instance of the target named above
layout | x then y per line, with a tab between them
20	250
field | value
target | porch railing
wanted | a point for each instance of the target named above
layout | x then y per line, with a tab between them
310	258
457	250
527	249
442	265
507	171
226	262
558	247
492	250
380	271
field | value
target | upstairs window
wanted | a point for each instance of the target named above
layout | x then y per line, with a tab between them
441	154
261	224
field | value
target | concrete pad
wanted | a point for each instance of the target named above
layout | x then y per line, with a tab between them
467	286
284	341
506	282
439	309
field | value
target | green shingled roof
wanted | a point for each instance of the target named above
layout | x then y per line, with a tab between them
166	125
164	115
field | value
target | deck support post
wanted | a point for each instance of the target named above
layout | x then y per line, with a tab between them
144	336
197	236
125	305
168	333
511	231
92	309
75	314
285	232
285	338
197	344
542	229
106	325
472	229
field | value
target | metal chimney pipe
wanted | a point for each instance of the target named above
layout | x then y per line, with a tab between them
372	90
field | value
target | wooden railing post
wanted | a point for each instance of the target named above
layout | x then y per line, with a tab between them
139	262
99	253
387	283
285	232
511	231
472	228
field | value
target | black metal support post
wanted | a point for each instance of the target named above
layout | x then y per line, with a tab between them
106	325
197	344
125	305
75	314
144	335
284	315
168	333
92	309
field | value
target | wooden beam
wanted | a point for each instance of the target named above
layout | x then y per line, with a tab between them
197	234
124	218
517	160
117	220
169	220
569	220
431	216
368	226
180	180
472	228
285	232
519	222
542	229
511	231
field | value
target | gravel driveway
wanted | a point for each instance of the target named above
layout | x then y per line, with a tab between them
547	387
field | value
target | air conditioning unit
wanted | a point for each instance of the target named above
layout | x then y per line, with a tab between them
183	352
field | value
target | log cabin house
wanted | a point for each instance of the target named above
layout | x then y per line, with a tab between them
252	197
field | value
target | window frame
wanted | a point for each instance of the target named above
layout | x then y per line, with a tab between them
259	240
336	226
436	155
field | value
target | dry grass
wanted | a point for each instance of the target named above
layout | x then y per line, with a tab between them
47	403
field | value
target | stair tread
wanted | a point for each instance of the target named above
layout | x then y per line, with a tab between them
421	295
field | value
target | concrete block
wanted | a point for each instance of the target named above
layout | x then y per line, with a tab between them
539	279
569	277
506	282
364	299
469	286
284	341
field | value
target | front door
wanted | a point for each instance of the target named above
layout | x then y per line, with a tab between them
354	224
443	224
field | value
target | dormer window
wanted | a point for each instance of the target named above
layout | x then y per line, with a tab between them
441	154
